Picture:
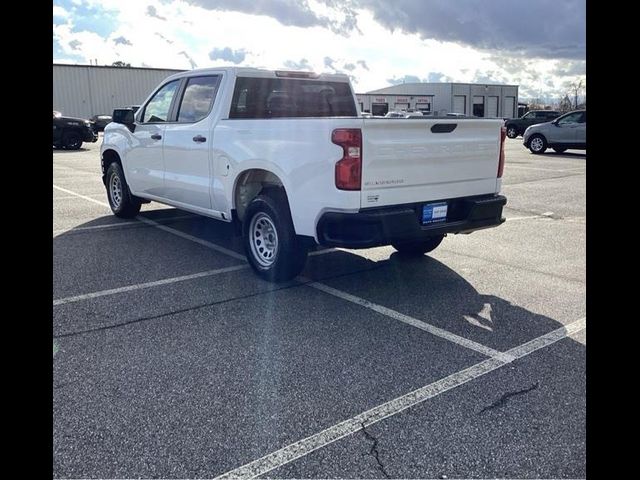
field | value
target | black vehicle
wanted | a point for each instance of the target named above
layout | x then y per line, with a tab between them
69	132
517	126
99	122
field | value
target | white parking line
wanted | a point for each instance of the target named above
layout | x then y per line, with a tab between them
414	322
529	217
574	169
140	286
304	447
89	199
178	233
119	224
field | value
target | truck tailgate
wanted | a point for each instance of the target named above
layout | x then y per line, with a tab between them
406	161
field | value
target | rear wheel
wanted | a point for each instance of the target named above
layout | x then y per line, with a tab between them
420	247
270	241
72	140
559	149
512	132
123	204
537	144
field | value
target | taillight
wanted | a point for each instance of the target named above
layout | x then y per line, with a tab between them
349	168
503	135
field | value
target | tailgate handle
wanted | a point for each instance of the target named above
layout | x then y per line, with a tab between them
444	127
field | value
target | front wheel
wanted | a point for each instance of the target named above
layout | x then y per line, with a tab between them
512	132
123	204
419	247
537	144
72	140
270	241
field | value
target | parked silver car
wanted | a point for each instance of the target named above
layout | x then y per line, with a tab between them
566	131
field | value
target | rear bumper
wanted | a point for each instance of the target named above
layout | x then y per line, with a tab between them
383	226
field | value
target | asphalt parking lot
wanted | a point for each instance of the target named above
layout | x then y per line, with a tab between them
173	360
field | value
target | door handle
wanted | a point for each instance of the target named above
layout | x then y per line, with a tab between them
199	138
156	136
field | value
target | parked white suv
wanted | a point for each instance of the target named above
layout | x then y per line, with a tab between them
286	155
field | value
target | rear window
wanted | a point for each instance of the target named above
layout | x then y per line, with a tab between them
278	97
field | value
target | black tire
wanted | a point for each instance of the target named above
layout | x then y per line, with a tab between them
418	248
279	260
560	149
537	144
72	140
512	132
123	205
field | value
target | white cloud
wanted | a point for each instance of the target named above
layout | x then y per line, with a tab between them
267	43
60	12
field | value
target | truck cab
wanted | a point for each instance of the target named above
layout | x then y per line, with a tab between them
70	132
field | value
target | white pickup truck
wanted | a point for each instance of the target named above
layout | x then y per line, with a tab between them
289	158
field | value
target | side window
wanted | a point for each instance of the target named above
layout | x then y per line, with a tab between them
571	118
198	98
157	110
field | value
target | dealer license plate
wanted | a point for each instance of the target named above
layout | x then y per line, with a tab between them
434	212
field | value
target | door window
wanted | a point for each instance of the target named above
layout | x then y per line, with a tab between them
570	118
198	98
157	110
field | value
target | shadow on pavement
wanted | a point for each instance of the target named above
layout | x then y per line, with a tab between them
208	375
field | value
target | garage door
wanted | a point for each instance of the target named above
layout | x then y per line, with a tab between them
509	104
492	106
379	109
459	104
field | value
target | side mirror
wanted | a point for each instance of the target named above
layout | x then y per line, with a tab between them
124	116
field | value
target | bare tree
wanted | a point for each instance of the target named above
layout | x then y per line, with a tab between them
120	63
576	89
565	104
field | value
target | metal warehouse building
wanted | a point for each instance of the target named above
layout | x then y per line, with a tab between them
84	90
480	100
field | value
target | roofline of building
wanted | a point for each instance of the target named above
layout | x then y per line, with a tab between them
377	91
121	68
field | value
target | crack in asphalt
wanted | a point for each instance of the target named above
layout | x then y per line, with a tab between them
374	450
503	399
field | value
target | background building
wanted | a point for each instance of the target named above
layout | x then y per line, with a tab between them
87	90
84	90
480	100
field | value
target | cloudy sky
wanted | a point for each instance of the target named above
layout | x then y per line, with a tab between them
537	44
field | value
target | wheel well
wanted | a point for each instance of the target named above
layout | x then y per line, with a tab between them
249	185
108	157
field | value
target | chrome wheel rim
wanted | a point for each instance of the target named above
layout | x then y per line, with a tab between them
536	144
115	189
511	132
263	239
